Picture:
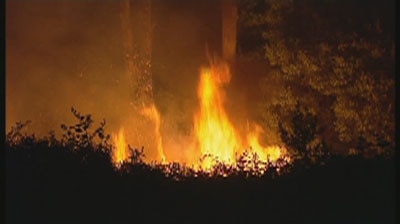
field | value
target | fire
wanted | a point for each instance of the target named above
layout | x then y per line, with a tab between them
270	153
215	133
120	153
215	138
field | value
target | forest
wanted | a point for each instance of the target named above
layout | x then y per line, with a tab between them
317	75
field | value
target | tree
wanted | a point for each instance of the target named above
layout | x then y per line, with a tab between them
334	58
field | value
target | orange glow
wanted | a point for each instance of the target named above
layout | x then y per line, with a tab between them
269	153
152	113
120	152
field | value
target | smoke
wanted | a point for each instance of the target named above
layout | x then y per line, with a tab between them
63	54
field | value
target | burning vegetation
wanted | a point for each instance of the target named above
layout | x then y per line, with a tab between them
215	140
312	95
80	138
288	116
216	149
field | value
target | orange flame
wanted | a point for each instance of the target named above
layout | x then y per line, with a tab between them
215	137
215	133
120	153
270	153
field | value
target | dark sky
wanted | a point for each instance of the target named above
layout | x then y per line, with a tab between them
70	53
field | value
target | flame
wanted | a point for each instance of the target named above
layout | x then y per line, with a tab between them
215	134
215	138
120	152
270	153
152	113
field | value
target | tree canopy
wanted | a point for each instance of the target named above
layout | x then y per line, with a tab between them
331	59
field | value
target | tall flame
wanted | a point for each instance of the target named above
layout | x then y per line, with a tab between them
215	137
215	133
120	153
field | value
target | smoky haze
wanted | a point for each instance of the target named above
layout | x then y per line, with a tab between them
62	54
71	53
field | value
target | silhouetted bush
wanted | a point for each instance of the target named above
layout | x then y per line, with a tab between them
79	135
303	139
74	181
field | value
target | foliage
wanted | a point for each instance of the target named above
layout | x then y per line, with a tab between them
334	58
136	156
15	136
79	135
302	138
81	184
78	144
65	187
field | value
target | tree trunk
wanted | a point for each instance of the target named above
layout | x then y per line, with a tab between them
229	29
